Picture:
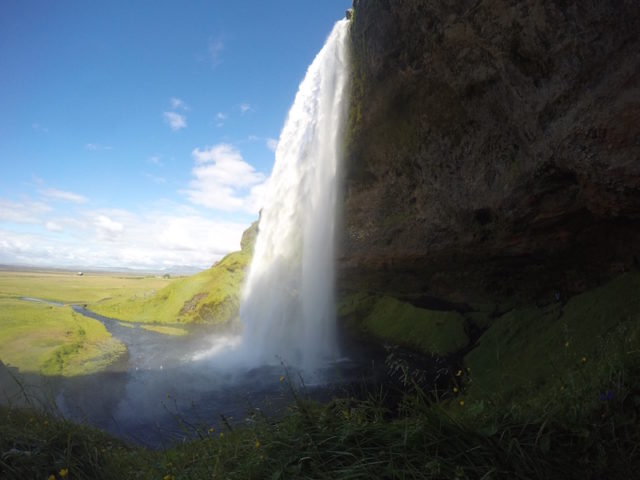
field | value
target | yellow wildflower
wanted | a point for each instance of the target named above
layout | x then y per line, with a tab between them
566	344
584	359
257	443
52	477
221	434
282	378
63	472
461	403
211	429
455	389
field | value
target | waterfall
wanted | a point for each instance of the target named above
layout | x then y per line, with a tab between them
288	305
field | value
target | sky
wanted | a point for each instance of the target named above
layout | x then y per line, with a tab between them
140	134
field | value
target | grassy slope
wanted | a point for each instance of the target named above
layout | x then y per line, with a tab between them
53	340
211	296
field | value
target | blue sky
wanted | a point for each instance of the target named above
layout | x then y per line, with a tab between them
140	133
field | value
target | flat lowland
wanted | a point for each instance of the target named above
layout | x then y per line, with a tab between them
52	339
69	287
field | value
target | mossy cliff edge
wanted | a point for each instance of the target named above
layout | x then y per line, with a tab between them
491	170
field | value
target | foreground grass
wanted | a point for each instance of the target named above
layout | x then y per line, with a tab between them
346	438
53	340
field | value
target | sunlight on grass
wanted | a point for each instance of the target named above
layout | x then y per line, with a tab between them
211	296
165	330
68	287
52	340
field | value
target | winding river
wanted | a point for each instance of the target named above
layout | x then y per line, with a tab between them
162	391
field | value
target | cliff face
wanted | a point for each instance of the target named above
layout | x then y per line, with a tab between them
493	148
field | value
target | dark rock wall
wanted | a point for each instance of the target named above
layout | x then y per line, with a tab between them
493	148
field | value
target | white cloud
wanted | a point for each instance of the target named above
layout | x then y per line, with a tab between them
22	212
93	147
223	180
255	200
107	228
62	195
175	120
39	128
155	159
177	103
168	236
215	48
245	107
220	118
272	144
53	226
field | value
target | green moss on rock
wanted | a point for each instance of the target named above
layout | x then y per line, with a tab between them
391	320
538	355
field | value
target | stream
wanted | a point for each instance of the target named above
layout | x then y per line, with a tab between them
161	391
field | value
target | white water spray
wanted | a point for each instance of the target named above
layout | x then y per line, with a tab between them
288	306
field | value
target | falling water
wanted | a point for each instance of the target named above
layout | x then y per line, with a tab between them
288	308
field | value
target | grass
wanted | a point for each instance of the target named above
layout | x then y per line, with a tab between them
166	330
53	340
343	439
548	392
211	296
68	287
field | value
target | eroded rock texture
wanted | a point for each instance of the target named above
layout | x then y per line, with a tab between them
493	148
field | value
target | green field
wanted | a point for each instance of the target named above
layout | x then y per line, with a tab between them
68	287
51	340
54	340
